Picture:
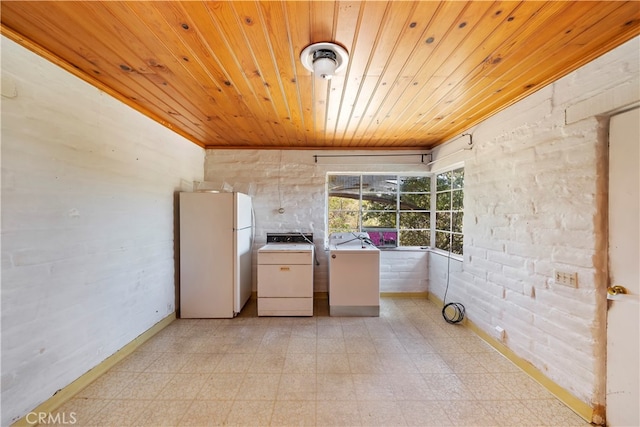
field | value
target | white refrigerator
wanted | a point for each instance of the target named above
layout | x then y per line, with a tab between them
216	236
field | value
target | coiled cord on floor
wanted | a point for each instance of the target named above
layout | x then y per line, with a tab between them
458	312
456	307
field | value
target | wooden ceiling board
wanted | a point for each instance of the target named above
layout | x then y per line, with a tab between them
230	90
221	29
407	61
299	36
266	73
516	82
84	56
343	91
430	110
275	28
149	64
390	34
171	56
438	77
471	52
227	74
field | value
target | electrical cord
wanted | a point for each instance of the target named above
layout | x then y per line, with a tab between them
315	255
456	307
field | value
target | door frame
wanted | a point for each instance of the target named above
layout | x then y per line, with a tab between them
602	107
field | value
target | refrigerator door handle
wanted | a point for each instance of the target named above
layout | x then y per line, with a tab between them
253	226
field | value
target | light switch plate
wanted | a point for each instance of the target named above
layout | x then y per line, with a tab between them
566	279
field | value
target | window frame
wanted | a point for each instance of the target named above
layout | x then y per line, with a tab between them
451	211
432	175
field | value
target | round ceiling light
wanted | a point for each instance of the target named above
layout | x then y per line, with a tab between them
324	59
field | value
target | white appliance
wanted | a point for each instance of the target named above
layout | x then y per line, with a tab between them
285	275
354	275
216	235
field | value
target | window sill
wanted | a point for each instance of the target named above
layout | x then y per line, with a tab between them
439	252
406	249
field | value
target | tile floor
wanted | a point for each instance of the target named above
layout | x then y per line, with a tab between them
407	367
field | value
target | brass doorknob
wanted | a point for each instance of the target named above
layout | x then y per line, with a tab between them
616	290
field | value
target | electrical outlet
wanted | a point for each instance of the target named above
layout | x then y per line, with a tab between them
566	279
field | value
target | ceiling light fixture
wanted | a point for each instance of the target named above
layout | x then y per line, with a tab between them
324	59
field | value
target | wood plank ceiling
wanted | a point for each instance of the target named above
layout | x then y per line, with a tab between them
227	74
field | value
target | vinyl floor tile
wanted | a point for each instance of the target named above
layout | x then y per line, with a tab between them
404	368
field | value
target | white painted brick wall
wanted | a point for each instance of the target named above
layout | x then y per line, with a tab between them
534	197
88	190
403	271
292	180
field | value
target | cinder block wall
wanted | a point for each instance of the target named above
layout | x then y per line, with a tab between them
535	203
87	226
294	181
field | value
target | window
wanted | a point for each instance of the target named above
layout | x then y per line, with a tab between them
396	210
449	211
393	209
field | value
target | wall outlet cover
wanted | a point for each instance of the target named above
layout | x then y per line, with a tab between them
566	278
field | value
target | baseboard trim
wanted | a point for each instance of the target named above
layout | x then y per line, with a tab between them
575	404
65	394
418	295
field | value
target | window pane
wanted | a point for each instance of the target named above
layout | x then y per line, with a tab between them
442	240
443	221
379	219
341	221
379	201
457	222
379	184
457	199
457	178
414	220
383	237
415	201
344	186
443	181
415	184
414	238
342	204
443	201
456	244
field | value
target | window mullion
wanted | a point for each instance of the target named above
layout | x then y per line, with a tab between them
398	241
360	207
433	207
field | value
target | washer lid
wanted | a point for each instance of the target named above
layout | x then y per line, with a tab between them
353	248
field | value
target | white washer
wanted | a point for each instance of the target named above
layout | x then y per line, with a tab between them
285	279
354	275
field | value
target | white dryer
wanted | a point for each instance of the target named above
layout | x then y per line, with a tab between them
285	275
354	275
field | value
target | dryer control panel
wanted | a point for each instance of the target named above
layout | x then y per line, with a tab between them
289	237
